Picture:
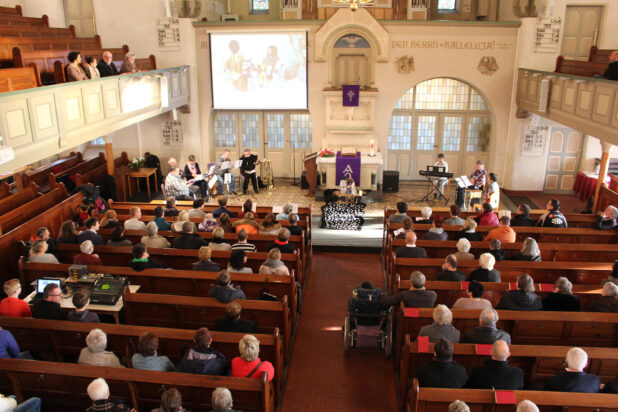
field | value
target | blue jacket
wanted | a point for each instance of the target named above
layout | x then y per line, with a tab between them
8	345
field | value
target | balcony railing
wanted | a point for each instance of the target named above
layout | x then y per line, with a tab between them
40	122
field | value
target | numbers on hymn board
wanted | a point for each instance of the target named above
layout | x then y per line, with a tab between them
171	132
168	32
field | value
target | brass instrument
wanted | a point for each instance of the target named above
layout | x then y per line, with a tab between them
266	173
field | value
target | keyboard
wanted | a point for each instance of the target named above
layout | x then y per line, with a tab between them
428	173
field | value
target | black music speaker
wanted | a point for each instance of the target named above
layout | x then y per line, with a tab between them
390	181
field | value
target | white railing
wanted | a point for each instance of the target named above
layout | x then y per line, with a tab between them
40	122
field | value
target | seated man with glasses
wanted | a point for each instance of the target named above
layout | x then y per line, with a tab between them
49	306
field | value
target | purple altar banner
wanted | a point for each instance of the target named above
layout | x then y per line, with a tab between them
347	167
351	94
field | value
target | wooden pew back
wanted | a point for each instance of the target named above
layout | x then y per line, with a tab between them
40	174
11	11
19	198
18	79
29	31
19	20
63	386
78	168
20	215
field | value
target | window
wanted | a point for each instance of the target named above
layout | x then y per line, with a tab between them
225	129
259	6
275	130
447	5
399	133
300	131
99	141
250	130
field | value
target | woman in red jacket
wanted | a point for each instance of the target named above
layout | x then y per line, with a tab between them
487	217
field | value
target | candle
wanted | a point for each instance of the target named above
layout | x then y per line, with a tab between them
372	148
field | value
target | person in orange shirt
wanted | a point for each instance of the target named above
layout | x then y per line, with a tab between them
12	305
504	232
248	224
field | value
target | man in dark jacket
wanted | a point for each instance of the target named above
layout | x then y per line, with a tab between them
523	298
201	359
608	301
522	217
416	297
282	243
410	250
486	332
442	371
222	208
449	270
187	239
106	66
92	226
574	379
49	306
496	372
606	220
223	290
294	229
495	249
232	321
142	260
553	217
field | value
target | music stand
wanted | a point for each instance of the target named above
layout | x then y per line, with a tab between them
433	185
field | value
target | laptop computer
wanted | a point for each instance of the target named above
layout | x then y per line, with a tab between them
42	283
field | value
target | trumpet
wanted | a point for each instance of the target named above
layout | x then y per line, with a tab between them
266	173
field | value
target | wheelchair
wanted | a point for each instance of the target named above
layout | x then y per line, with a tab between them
368	323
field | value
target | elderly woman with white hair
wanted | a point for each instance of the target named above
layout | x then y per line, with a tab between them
574	379
98	391
95	354
128	64
468	231
530	251
441	326
458	406
222	400
608	301
153	239
523	298
248	364
486	273
606	220
463	250
86	257
562	298
426	214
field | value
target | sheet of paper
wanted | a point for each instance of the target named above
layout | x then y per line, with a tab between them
226	165
212	182
211	170
254	207
504	213
237	164
466	181
277	209
227	178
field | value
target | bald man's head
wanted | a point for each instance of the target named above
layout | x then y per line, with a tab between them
500	351
527	406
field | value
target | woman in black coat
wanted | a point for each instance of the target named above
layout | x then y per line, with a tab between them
562	298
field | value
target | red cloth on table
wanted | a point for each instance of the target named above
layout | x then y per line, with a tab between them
586	185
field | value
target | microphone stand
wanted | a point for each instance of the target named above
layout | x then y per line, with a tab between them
294	168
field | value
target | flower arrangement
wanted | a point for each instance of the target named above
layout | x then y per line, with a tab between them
327	153
136	163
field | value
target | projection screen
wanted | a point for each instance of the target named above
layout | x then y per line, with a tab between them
259	70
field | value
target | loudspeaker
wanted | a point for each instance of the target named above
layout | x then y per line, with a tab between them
390	181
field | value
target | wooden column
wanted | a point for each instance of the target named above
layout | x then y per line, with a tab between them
607	149
109	155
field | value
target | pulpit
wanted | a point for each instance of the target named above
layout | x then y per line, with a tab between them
312	172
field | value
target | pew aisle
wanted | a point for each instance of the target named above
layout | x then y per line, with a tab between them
320	377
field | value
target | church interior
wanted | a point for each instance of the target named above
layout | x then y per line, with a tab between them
309	205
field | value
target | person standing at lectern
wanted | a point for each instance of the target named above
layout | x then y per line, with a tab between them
247	170
220	171
442	181
477	179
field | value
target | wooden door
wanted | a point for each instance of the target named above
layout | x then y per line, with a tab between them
581	31
562	160
80	13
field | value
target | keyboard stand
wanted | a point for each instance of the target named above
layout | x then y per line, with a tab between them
433	185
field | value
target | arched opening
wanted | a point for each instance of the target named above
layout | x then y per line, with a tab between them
440	115
353	61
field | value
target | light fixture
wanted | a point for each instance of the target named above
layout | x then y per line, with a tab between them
354	3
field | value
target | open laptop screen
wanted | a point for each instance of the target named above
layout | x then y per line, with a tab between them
41	283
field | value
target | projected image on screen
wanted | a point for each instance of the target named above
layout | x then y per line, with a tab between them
259	71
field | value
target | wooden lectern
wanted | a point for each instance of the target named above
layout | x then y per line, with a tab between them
312	172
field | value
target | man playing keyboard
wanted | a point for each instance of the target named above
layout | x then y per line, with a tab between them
442	181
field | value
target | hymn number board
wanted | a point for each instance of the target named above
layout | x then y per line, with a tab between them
171	132
533	141
169	34
548	35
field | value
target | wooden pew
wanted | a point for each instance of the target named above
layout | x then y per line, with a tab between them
31	209
30	44
147	63
5	190
11	11
599	55
78	168
539	363
540	234
176	258
190	312
98	173
176	282
55	213
63	386
68	338
550	252
591	273
19	79
579	68
438	399
19	20
30	31
449	292
19	198
45	59
40	174
574	219
525	327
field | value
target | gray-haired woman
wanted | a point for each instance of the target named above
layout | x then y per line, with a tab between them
562	298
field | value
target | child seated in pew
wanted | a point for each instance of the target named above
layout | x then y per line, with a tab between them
81	299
